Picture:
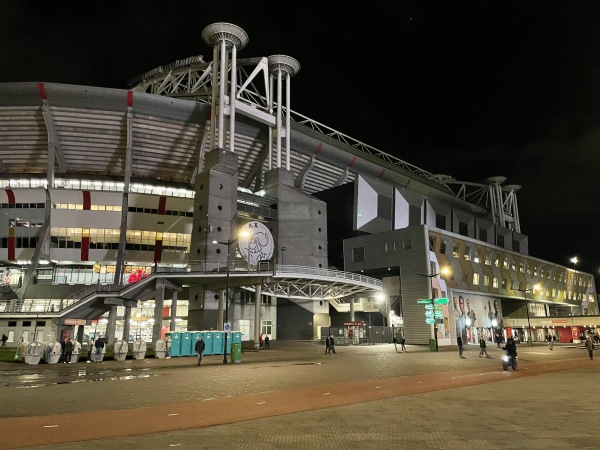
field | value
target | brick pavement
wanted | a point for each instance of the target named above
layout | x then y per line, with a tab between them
297	397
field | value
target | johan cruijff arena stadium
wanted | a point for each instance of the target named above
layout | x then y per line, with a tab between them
198	199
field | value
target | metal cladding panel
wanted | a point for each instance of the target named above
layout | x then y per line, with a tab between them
23	140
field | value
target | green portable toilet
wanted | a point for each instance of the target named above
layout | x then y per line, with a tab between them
175	342
187	347
208	340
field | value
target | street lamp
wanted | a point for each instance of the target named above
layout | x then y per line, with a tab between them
282	250
525	291
228	244
443	271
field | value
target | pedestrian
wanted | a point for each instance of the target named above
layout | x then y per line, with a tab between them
327	344
395	342
62	350
550	342
260	341
482	347
68	350
332	344
589	345
459	341
267	340
99	345
402	344
168	342
4	339
199	348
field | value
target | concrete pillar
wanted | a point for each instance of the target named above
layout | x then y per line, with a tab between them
257	302
173	310
159	302
127	324
111	325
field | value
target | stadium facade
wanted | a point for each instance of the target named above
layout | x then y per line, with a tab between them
198	197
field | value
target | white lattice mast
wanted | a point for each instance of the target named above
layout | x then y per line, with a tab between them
224	38
503	201
282	66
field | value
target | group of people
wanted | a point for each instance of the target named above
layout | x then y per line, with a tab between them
402	343
264	342
330	344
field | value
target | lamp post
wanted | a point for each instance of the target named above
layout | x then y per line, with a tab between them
435	329
282	250
228	244
525	291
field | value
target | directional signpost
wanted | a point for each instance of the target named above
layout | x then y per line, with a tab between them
433	309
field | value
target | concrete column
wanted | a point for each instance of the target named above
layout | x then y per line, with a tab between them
111	325
159	302
127	324
220	309
352	309
173	311
257	302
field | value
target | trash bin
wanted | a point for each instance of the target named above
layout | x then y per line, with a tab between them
139	349
236	353
120	350
160	349
33	353
432	344
76	352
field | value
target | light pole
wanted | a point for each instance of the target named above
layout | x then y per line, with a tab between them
525	291
282	250
228	244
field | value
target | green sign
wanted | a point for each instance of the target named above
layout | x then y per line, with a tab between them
429	314
424	301
440	301
438	314
429	321
430	306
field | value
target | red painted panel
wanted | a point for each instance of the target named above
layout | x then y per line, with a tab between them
85	248
87	200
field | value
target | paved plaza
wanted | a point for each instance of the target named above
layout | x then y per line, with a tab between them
295	396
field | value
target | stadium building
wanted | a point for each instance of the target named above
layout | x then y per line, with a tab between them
198	199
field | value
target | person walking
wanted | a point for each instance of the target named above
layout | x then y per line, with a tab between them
482	347
589	345
168	342
199	348
402	344
331	344
260	341
459	341
395	342
327	344
99	345
4	339
267	344
68	350
550	342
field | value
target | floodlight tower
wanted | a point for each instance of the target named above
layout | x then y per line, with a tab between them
281	66
225	38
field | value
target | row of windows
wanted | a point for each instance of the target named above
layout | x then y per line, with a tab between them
22	205
79	207
87	185
168	212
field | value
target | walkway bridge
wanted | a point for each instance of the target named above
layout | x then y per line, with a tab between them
296	283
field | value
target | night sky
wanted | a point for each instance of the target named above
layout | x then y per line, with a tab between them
468	89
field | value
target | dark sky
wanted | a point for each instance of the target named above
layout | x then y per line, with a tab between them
472	89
